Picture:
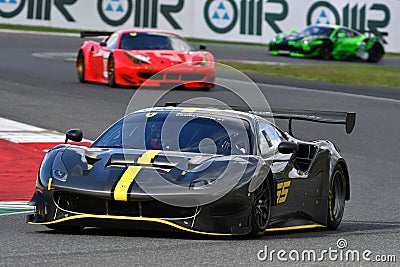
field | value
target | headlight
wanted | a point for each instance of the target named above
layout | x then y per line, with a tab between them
138	59
200	60
59	175
142	58
305	42
58	170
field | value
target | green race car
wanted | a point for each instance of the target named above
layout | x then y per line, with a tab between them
329	41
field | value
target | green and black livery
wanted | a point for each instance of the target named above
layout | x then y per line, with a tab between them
330	41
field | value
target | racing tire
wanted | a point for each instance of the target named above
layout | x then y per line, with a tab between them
325	51
81	67
375	53
111	71
336	198
261	209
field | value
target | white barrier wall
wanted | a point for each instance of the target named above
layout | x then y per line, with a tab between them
231	20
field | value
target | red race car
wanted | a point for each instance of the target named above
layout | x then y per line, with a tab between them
131	57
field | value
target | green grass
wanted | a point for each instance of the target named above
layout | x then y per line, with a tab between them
336	73
36	28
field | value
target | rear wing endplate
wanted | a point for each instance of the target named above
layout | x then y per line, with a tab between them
377	33
94	34
331	117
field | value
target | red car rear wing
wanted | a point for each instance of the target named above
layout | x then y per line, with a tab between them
94	34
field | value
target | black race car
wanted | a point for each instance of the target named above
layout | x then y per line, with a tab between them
202	170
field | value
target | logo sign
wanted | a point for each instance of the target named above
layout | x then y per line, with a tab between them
145	12
323	16
11	8
323	13
221	16
353	16
114	12
37	9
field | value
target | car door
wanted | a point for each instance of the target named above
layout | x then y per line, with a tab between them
99	56
269	139
347	43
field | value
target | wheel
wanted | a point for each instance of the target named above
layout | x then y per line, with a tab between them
325	52
375	53
111	72
81	67
261	209
336	199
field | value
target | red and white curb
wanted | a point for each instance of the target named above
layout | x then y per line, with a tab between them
25	134
9	208
19	132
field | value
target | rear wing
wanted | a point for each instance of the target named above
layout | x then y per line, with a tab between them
377	33
331	117
85	34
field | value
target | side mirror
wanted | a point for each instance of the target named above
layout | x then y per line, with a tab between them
288	147
293	31
75	135
103	44
341	35
202	47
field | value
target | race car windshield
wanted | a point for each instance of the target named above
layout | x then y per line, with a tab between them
153	41
185	132
316	30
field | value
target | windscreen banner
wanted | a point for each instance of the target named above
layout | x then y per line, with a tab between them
253	21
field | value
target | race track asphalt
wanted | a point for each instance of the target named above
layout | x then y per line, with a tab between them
45	93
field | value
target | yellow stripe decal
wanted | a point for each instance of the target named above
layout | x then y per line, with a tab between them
189	110
307	226
49	184
156	220
148	157
122	187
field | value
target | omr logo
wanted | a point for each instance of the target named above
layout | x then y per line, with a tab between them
145	14
36	9
350	15
10	8
323	18
114	6
115	12
221	13
221	16
323	13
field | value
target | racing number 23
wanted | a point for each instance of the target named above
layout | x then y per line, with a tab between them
282	192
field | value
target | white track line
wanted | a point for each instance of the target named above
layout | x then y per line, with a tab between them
19	132
310	90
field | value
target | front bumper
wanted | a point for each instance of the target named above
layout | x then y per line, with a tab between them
295	50
152	76
230	215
